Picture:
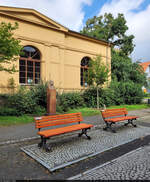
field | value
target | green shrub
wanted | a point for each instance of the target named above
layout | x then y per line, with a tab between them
5	111
116	94
66	101
39	110
23	102
106	97
39	94
60	109
127	92
90	96
29	101
134	93
4	99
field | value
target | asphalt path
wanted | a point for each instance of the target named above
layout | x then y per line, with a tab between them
28	131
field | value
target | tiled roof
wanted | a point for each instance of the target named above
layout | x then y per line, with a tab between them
145	65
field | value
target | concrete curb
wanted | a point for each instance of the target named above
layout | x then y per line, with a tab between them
18	140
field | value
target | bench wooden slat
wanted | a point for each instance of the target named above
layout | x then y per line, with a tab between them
111	116
46	121
58	131
114	112
61	116
57	122
120	118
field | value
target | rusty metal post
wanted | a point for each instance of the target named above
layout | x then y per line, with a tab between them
51	99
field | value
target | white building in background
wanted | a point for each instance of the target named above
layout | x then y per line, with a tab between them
146	67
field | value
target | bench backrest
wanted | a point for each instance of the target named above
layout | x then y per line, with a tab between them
114	112
54	120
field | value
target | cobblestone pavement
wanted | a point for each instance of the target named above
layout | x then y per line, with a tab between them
69	150
134	165
15	164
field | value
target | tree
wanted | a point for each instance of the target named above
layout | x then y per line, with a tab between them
124	70
125	74
110	29
10	47
97	75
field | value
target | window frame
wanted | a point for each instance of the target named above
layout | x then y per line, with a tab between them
84	69
26	59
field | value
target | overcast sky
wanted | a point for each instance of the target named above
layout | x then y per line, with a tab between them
74	13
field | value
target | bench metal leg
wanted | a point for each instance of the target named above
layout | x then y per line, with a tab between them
84	131
43	144
108	125
130	121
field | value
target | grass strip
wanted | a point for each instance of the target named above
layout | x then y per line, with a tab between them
14	120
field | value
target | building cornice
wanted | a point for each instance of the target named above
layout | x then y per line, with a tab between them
55	26
61	46
85	37
10	10
29	21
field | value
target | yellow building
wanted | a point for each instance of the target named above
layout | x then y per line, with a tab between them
52	51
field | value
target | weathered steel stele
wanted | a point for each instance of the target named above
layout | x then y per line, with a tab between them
51	99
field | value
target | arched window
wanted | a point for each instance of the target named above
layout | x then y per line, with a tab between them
29	66
84	71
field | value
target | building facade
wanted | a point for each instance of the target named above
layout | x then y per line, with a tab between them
51	51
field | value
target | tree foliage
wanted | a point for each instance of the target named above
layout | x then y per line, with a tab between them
127	77
110	29
10	47
98	74
124	70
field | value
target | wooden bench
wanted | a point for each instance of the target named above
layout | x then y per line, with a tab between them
73	120
112	116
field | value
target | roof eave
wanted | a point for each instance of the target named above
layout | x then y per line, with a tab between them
77	34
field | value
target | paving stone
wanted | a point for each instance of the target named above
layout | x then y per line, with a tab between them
134	165
71	149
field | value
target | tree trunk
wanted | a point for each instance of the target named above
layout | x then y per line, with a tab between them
97	98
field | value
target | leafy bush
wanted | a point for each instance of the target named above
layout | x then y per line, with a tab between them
90	96
106	96
22	101
33	100
65	101
5	111
39	94
29	101
127	92
39	110
3	99
116	94
119	92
